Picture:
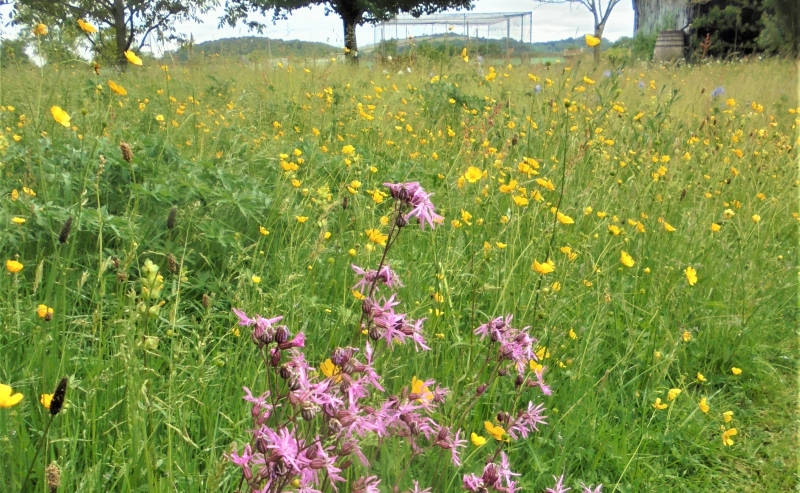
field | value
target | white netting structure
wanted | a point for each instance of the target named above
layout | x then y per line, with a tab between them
498	25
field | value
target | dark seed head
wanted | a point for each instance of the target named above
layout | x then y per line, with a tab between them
206	300
481	389
172	218
65	230
58	397
518	381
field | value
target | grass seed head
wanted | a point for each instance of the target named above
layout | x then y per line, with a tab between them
127	153
52	475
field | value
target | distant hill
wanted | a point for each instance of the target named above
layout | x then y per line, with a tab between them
260	47
483	46
253	45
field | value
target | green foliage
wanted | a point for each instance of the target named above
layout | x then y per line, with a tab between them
12	52
781	32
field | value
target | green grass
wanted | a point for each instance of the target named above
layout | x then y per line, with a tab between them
155	401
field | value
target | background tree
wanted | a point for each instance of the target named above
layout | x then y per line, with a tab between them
353	12
130	21
600	13
781	27
733	26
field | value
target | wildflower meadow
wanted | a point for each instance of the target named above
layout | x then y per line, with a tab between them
404	276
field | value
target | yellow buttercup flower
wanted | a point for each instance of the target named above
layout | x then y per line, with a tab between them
700	377
736	371
626	259
477	440
673	393
497	432
703	405
544	268
18	220
658	405
715	227
13	266
256	279
60	116
376	236
726	437
473	174
545	183
263	230
331	371
116	88
564	219
691	275
301	219
45	400
44	312
418	387
86	27
40	30
7	399
591	41
132	58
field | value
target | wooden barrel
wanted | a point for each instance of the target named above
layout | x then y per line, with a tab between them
669	46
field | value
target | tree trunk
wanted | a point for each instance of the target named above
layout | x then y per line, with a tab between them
598	33
120	30
350	45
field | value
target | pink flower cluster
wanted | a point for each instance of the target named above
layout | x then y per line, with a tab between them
311	424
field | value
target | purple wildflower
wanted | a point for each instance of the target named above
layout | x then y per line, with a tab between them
417	489
366	485
243	461
471	482
528	421
385	275
589	489
546	390
717	92
494	328
558	487
421	206
244	320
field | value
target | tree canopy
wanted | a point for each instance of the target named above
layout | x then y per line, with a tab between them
123	24
353	12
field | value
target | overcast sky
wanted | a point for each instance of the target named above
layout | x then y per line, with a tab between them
550	22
